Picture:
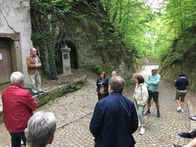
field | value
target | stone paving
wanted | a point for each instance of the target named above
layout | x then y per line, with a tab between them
73	112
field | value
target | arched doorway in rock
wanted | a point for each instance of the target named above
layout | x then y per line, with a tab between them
73	55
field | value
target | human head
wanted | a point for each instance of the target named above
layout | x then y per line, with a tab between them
181	74
114	73
139	79
33	51
17	78
116	84
155	70
40	129
102	75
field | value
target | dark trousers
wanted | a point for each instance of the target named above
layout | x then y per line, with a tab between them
16	139
100	96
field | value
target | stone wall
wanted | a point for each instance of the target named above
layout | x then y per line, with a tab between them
15	19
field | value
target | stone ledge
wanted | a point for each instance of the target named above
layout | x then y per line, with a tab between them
55	92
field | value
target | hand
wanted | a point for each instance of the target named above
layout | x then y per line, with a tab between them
39	65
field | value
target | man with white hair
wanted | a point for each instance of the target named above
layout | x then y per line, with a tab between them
18	106
33	65
40	130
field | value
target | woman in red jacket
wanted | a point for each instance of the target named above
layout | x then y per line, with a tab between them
18	107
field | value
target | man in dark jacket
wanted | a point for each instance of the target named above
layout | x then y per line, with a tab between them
18	106
115	118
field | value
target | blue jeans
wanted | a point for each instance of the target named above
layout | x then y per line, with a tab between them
16	139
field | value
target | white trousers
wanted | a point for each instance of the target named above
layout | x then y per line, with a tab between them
36	81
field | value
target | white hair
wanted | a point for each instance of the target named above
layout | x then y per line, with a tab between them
16	77
41	128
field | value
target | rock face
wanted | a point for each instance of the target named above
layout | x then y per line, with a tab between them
92	40
15	27
181	58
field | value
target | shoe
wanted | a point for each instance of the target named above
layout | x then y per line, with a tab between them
40	92
175	145
158	114
35	92
179	109
142	131
182	110
147	112
184	135
192	118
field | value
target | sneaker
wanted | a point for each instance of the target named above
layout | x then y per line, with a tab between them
147	112
192	118
158	114
184	135
175	145
41	92
142	131
179	109
35	92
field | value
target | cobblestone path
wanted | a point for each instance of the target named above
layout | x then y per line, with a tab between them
73	112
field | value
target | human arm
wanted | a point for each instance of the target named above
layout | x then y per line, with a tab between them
176	82
134	120
147	80
39	62
30	101
145	93
29	63
105	82
156	82
97	83
96	121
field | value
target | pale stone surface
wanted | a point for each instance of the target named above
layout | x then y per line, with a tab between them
17	14
73	112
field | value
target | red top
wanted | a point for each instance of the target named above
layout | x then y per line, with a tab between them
18	106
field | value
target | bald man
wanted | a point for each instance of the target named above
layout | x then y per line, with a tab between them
33	65
114	73
115	118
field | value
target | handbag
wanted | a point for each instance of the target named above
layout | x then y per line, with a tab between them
102	90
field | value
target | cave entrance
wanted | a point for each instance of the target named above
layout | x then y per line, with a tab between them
73	55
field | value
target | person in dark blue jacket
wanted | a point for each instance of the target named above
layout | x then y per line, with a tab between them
181	84
115	118
102	86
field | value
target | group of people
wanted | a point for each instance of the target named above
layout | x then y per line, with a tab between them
144	92
35	130
115	117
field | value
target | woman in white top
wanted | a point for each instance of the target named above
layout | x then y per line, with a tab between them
140	96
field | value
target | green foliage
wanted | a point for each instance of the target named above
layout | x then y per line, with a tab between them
131	21
95	68
45	14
